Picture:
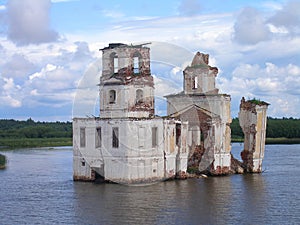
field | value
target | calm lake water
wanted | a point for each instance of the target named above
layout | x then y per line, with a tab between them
37	188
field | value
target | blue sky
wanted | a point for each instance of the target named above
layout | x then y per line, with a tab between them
50	60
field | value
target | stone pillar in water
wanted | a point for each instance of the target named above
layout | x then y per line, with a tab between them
253	120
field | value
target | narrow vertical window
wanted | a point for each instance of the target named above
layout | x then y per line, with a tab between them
115	137
139	96
154	137
141	136
136	64
112	96
178	134
82	137
98	137
195	82
116	64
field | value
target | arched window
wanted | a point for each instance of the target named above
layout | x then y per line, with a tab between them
115	62
112	96
136	62
139	95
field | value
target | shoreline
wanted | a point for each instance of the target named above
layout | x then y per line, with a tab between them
14	143
272	141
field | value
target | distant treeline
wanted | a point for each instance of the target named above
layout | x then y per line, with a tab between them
30	129
276	128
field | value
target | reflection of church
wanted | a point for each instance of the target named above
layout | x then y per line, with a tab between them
128	143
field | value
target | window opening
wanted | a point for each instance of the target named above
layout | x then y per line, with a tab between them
116	63
112	96
195	82
115	137
82	162
154	137
178	134
136	65
139	96
82	137
98	137
141	136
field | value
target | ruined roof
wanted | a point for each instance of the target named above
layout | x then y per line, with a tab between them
121	45
113	45
253	101
200	59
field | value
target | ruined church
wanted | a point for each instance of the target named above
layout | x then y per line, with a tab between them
128	143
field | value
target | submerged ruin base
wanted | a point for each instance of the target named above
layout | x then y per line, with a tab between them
253	121
129	144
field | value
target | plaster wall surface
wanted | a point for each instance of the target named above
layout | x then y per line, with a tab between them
126	103
139	156
217	104
253	121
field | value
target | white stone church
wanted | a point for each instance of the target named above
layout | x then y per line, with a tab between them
128	143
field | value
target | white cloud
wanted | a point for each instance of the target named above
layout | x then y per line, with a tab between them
9	84
43	73
8	100
17	66
279	86
29	22
250	27
53	86
164	86
263	64
9	93
288	16
48	80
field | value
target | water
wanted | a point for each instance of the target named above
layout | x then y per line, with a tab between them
37	188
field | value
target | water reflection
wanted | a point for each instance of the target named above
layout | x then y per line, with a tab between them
214	200
37	188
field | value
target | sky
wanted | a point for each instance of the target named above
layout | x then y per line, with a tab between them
50	60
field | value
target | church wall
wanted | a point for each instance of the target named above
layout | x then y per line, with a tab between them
126	103
253	119
138	156
218	104
200	79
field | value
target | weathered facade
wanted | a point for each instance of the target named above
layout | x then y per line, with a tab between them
127	143
208	115
253	120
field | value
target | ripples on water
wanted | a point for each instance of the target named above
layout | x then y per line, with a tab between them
37	188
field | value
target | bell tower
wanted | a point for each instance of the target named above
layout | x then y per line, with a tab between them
199	78
126	84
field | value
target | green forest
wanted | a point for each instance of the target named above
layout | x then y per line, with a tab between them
283	130
14	133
